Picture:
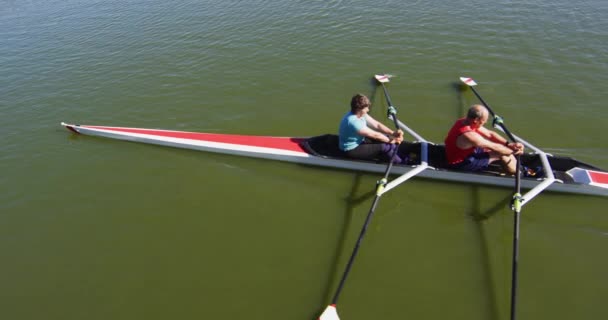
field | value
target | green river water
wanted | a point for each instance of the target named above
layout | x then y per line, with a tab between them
93	228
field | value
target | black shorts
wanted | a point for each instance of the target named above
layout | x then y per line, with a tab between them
479	160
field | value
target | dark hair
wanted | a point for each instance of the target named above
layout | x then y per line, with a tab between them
359	102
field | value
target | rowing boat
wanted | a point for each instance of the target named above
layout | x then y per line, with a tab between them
568	175
560	174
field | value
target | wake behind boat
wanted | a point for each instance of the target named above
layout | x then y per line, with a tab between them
571	176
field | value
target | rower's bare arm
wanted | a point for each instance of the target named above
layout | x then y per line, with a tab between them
516	147
377	125
492	136
480	141
375	135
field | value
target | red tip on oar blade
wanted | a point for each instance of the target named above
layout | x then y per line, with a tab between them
468	81
383	77
330	313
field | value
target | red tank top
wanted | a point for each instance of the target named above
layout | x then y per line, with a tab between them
454	154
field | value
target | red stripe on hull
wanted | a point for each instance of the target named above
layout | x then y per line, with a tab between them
283	143
598	177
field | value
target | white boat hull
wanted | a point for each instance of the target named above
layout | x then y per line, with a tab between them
288	149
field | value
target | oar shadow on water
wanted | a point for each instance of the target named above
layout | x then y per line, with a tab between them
460	88
372	97
479	216
352	201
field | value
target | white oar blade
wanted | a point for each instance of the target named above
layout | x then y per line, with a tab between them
330	313
468	81
383	78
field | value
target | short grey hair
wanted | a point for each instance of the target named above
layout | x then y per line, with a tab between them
476	112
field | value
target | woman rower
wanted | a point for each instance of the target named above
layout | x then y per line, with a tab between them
363	137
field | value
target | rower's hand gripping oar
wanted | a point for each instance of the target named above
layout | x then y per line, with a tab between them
330	312
516	202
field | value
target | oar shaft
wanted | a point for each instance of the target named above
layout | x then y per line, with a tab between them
387	96
483	101
390	106
349	265
518	174
504	128
368	219
514	264
379	188
515	205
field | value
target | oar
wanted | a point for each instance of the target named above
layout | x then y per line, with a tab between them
330	312
515	203
497	120
383	78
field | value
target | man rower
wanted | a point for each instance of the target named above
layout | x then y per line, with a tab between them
471	147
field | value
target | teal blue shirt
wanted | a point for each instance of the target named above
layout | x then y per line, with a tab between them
348	132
